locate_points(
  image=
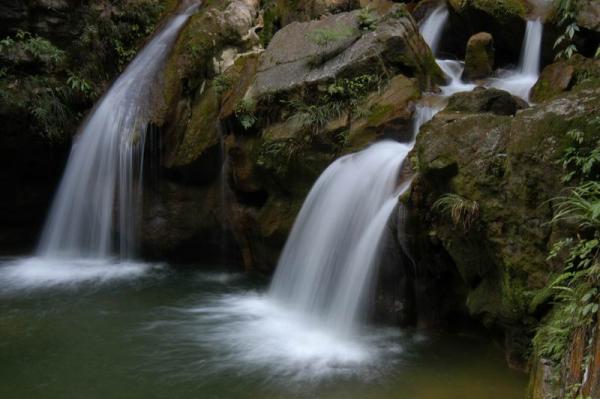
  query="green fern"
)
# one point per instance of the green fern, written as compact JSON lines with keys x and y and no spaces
{"x":462,"y":212}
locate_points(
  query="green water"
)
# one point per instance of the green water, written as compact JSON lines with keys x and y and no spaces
{"x":172,"y":334}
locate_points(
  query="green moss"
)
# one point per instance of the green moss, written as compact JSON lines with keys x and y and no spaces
{"x":500,"y":9}
{"x":200,"y":133}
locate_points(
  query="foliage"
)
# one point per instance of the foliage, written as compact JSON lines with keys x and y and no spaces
{"x":326,"y":36}
{"x":343,"y":95}
{"x":245,"y":113}
{"x":576,"y":290}
{"x":79,"y":84}
{"x":33,"y":46}
{"x":278,"y":155}
{"x":367,"y":20}
{"x":37,"y":78}
{"x":463,"y":212}
{"x":566,"y":11}
{"x":222,"y":83}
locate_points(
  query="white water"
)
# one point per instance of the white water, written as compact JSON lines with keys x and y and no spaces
{"x":432,"y":27}
{"x":326,"y":265}
{"x":517,"y":82}
{"x":520,"y":81}
{"x":100,"y":193}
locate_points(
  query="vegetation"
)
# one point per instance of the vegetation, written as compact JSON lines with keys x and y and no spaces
{"x":566,"y":12}
{"x":343,"y":95}
{"x":37,"y":80}
{"x":462,"y":212}
{"x":367,"y":20}
{"x":576,"y":290}
{"x":245,"y":113}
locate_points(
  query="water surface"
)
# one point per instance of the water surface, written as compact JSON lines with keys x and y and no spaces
{"x":156,"y":333}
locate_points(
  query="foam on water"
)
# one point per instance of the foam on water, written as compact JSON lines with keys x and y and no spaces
{"x":252,"y":333}
{"x":37,"y":273}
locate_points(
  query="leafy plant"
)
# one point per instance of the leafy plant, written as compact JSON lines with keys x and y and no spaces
{"x":343,"y":95}
{"x":80,"y":84}
{"x":367,"y":20}
{"x":576,"y":290}
{"x":463,"y":212}
{"x":245,"y":113}
{"x":222,"y":83}
{"x":36,"y":47}
{"x":566,"y":11}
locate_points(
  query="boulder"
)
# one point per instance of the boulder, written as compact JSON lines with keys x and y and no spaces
{"x":565,"y":75}
{"x":588,"y":14}
{"x":479,"y":57}
{"x":482,"y":100}
{"x":311,"y":53}
{"x":508,"y":166}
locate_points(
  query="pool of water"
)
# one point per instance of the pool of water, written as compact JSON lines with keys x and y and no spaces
{"x":95,"y":331}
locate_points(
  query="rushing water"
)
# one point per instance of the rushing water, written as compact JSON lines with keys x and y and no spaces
{"x":326,"y":266}
{"x":520,"y":81}
{"x":100,"y":192}
{"x":517,"y":82}
{"x":217,"y":335}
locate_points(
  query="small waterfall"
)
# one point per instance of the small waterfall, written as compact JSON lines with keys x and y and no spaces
{"x":532,"y":49}
{"x":100,"y":192}
{"x":520,"y":81}
{"x":326,"y":266}
{"x":432,"y":27}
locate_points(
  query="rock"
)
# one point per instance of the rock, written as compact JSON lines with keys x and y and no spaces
{"x":565,"y":75}
{"x":311,"y":53}
{"x":424,"y":8}
{"x":504,"y":20}
{"x":194,"y":150}
{"x":588,"y":14}
{"x":496,"y":101}
{"x":479,"y":58}
{"x":508,"y":165}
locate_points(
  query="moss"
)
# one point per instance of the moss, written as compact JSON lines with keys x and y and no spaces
{"x":499,"y":9}
{"x":201,"y":132}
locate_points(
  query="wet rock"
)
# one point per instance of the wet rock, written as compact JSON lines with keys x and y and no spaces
{"x":480,"y":100}
{"x":566,"y":75}
{"x":479,"y":58}
{"x":508,"y":166}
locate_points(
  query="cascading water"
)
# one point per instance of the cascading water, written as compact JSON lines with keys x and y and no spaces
{"x":327,"y":261}
{"x":517,"y":82}
{"x":100,"y":193}
{"x":432,"y":27}
{"x":520,"y":82}
{"x":104,"y":170}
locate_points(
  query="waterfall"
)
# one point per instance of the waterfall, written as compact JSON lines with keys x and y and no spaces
{"x":432,"y":27}
{"x":326,"y":266}
{"x":532,"y":49}
{"x":520,"y":81}
{"x":100,"y":192}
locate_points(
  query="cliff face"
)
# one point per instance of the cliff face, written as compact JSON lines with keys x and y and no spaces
{"x":253,"y":128}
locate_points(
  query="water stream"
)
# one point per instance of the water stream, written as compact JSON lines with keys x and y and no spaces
{"x":100,"y":192}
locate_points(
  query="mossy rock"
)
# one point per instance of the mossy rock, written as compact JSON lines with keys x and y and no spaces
{"x":480,"y":57}
{"x":499,"y":9}
{"x":509,"y":165}
{"x":566,"y":75}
